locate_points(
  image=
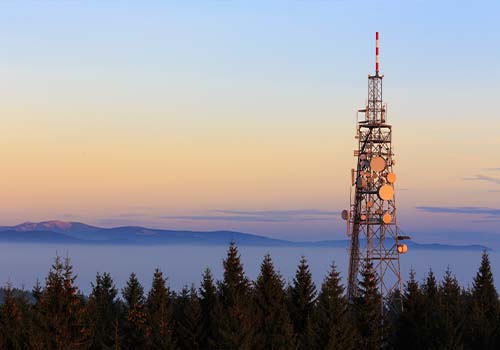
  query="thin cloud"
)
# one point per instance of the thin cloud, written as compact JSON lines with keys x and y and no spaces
{"x":259,"y":215}
{"x":243,"y":218}
{"x":484,"y":178}
{"x":298,"y":212}
{"x":130,"y":215}
{"x":484,"y":211}
{"x":491,"y":169}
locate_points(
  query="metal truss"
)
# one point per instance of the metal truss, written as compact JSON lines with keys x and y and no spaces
{"x":371,"y":219}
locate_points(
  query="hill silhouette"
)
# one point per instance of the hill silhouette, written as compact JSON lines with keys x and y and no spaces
{"x":63,"y":232}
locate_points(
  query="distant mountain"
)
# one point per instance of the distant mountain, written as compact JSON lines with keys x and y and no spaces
{"x":67,"y":232}
{"x":78,"y":233}
{"x":72,"y":229}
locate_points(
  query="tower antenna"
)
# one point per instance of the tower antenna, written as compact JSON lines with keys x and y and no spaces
{"x":371,"y":218}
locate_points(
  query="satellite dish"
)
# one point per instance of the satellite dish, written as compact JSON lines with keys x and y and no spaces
{"x":402,"y":248}
{"x":391,"y":178}
{"x":377,"y":164}
{"x":387,"y":218}
{"x":345,"y":214}
{"x":386,"y":192}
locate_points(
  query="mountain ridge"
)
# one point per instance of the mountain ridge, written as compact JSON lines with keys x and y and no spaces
{"x":56,"y":231}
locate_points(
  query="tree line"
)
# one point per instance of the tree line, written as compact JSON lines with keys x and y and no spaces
{"x":236,"y":313}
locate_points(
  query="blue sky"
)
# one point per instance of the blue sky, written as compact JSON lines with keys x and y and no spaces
{"x":240,"y":115}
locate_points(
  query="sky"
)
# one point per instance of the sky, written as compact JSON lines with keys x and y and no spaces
{"x":240,"y":115}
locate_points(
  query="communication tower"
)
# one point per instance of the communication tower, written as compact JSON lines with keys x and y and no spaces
{"x":371,"y":218}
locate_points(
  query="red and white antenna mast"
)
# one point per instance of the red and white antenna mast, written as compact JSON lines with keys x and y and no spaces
{"x":371,"y":218}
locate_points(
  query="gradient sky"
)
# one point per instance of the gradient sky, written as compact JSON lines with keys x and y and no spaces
{"x":241,"y":115}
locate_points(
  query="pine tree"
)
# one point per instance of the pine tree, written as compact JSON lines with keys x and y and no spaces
{"x":483,"y":321}
{"x":451,"y":307}
{"x":74,"y":301}
{"x":37,"y":291}
{"x":11,"y":322}
{"x":36,"y":332}
{"x":433,"y":320}
{"x":188,"y":320}
{"x":135,"y":323}
{"x":24,"y":304}
{"x":273,"y":326}
{"x":410,"y":330}
{"x":332,"y":322}
{"x":60,"y":310}
{"x":159,"y":310}
{"x":393,"y":309}
{"x":102,"y":313}
{"x":233,"y":310}
{"x":368,"y":310}
{"x":208,"y":303}
{"x":301,"y":304}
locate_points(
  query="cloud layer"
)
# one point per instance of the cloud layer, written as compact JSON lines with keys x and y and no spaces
{"x":260,"y":215}
{"x":484,"y":211}
{"x":485,"y":178}
{"x":491,"y":169}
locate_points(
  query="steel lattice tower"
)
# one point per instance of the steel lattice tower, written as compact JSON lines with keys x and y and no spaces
{"x":371,"y":219}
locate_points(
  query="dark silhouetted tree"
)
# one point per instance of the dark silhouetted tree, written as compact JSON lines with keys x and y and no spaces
{"x":333,"y":324}
{"x":451,"y":308}
{"x":208,"y":303}
{"x":188,"y":320}
{"x":60,"y":311}
{"x":37,"y":330}
{"x":433,"y":320}
{"x":411,"y":323}
{"x":233,"y":311}
{"x":483,"y":316}
{"x":368,"y":310}
{"x":134,"y":333}
{"x":12,"y":322}
{"x":301,"y":299}
{"x":102,"y":313}
{"x":159,"y":312}
{"x":273,"y":328}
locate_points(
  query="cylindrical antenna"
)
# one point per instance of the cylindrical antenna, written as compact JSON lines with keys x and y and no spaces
{"x":376,"y":53}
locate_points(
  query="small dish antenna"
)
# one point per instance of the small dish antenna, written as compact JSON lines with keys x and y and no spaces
{"x":387,"y":218}
{"x":391,"y":178}
{"x":377,"y":164}
{"x":386,"y":192}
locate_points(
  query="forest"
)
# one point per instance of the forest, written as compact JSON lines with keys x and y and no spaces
{"x":237,"y":313}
